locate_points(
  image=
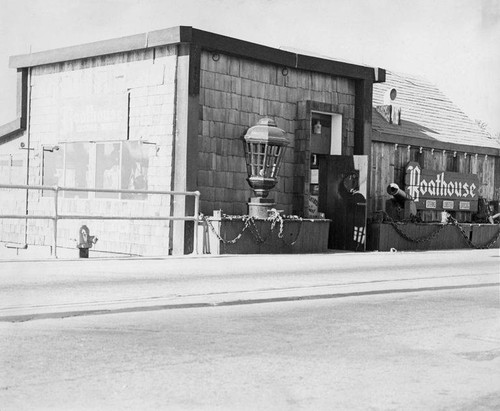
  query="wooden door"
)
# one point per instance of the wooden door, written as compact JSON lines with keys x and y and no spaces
{"x":342,"y":198}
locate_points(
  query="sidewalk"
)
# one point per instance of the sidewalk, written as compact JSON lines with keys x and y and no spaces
{"x":47,"y":288}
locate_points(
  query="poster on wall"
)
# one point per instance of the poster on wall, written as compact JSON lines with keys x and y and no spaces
{"x":441,"y":190}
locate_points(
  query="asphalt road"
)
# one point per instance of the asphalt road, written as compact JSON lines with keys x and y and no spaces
{"x":31,"y":288}
{"x":435,"y":350}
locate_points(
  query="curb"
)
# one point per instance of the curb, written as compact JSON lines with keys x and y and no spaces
{"x":14,"y":318}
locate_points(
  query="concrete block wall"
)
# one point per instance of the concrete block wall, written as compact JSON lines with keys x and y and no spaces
{"x":234,"y":94}
{"x":125,"y":96}
{"x":13,"y":201}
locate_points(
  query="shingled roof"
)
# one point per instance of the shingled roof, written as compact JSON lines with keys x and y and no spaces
{"x":427,"y":115}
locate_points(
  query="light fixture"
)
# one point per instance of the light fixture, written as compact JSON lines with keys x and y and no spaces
{"x":317,"y":127}
{"x":157,"y":147}
{"x":50,"y":149}
{"x":265,"y":145}
{"x":22,"y":146}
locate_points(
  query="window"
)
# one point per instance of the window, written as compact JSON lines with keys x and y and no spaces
{"x":110,"y":165}
{"x":326,"y":133}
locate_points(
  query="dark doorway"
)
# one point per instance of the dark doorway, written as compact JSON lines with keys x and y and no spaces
{"x":342,"y":198}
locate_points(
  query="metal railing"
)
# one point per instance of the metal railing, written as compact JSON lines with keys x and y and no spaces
{"x":56,"y":216}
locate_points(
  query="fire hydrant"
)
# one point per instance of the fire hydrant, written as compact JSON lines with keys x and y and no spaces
{"x":85,"y":241}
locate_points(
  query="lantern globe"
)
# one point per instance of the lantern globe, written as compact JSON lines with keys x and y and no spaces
{"x":265,"y":145}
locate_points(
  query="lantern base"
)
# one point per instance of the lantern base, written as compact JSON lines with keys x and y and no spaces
{"x":258,"y":207}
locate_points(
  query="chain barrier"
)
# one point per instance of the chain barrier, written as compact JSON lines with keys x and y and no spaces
{"x":495,"y":238}
{"x":246,"y":219}
{"x":276,"y":217}
{"x":434,"y":234}
{"x":424,"y":239}
{"x":249,"y":223}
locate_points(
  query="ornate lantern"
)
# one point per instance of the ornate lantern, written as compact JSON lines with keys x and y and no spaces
{"x":265,"y":144}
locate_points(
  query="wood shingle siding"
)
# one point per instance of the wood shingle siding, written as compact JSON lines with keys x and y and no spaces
{"x":235,"y":93}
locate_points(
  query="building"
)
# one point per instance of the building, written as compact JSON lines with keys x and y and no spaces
{"x":418,"y":126}
{"x":166,"y":110}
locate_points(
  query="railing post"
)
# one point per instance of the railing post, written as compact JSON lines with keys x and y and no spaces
{"x":196,"y":217}
{"x":56,"y":216}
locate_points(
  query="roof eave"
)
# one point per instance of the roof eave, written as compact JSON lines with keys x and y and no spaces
{"x":391,"y":138}
{"x":205,"y":40}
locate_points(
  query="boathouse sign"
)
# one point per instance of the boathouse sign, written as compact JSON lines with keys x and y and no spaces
{"x":441,"y":190}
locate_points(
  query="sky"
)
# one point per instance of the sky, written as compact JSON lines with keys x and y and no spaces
{"x":455,"y":44}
